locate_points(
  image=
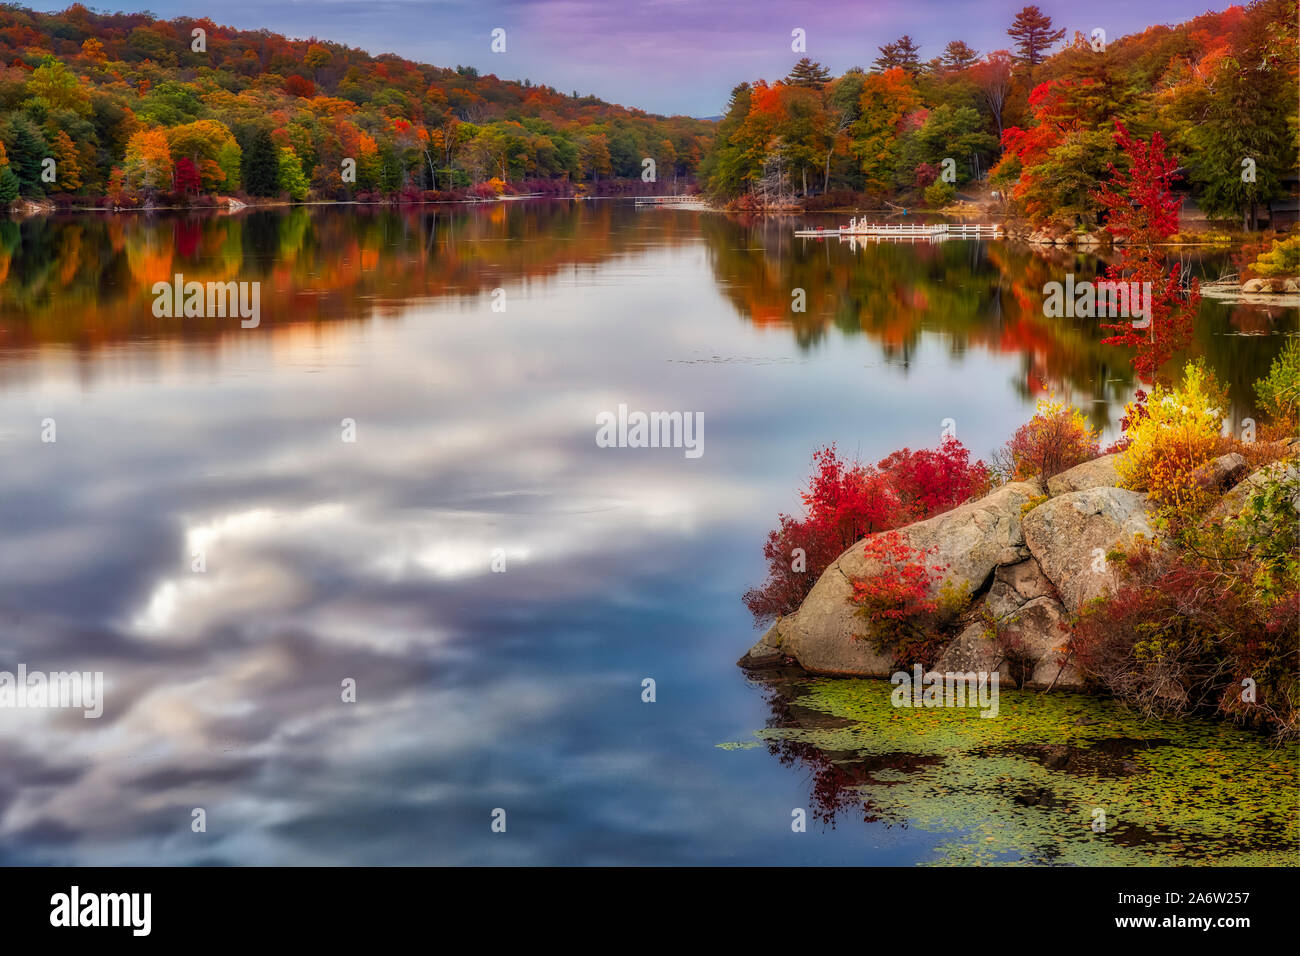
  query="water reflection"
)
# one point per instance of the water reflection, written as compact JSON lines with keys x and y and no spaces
{"x":1027,"y":787}
{"x":324,"y":560}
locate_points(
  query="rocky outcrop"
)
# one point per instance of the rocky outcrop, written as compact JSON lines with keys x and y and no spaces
{"x":1015,"y":585}
{"x":826,"y":636}
{"x":1031,"y":558}
{"x":1098,"y":473}
{"x":1234,"y":502}
{"x":1222,"y":473}
{"x":1025,"y":608}
{"x":1071,"y":534}
{"x":1036,"y":635}
{"x":766,"y":651}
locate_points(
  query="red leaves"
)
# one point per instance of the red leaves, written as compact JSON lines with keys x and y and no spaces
{"x":930,"y":482}
{"x":300,"y":86}
{"x":901,"y":599}
{"x":185,"y":177}
{"x":846,"y":501}
{"x":902,"y":589}
{"x":1144,"y":211}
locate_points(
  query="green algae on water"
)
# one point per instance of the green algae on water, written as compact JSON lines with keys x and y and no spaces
{"x":1054,"y":778}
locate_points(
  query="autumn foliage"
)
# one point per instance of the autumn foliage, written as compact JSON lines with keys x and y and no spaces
{"x":1207,"y":618}
{"x":104,"y":79}
{"x":844,"y":501}
{"x":902,"y":599}
{"x":1144,"y":213}
{"x":1057,"y":438}
{"x":1178,"y":432}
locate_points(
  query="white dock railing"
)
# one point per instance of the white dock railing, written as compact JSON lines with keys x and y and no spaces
{"x":661,"y":200}
{"x":934,"y":230}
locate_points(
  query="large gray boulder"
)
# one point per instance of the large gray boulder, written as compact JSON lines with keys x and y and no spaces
{"x":974,"y":649}
{"x":1015,"y":585}
{"x":1071,"y":534}
{"x":1038,"y":633}
{"x":1222,"y":473}
{"x":1098,"y":473}
{"x":1234,"y":502}
{"x":971,"y":540}
{"x":1025,"y":609}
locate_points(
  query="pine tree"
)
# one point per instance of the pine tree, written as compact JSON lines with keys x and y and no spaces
{"x":901,"y":53}
{"x":808,"y":73}
{"x":261,"y":166}
{"x":1033,"y":33}
{"x":8,"y":185}
{"x":958,"y":55}
{"x":26,"y":147}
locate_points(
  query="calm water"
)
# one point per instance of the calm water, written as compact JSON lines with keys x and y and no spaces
{"x":373,"y":559}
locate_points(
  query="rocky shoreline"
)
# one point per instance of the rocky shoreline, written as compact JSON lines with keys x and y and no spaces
{"x":1030,"y":555}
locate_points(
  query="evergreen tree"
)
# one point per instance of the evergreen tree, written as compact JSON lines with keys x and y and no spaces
{"x":26,"y":147}
{"x":9,"y":185}
{"x":261,"y":166}
{"x":1033,"y":33}
{"x":958,"y":55}
{"x":808,"y":73}
{"x":901,"y":53}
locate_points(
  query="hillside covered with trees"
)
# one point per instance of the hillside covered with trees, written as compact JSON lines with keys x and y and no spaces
{"x":136,"y":108}
{"x":1221,"y":88}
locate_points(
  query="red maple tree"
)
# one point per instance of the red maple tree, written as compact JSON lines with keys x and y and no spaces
{"x":1144,"y":213}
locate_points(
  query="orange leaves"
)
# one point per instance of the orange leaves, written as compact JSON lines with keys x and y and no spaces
{"x":148,"y":160}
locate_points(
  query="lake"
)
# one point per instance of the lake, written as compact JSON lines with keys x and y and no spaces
{"x":393,"y":483}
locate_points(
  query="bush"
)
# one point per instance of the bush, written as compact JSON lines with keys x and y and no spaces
{"x":1279,"y":390}
{"x":846,"y":501}
{"x":843,"y":501}
{"x":929,"y":482}
{"x":938,"y":194}
{"x":1211,"y":627}
{"x":903,"y":602}
{"x":1056,"y":439}
{"x":1170,"y":436}
{"x":1281,"y":260}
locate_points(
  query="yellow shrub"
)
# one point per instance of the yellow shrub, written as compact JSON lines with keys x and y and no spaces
{"x":1179,"y":431}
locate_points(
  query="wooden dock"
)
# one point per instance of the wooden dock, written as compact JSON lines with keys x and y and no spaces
{"x":668,"y":200}
{"x":908,"y":230}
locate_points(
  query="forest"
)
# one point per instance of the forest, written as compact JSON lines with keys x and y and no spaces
{"x":139,"y":109}
{"x":1221,"y":89}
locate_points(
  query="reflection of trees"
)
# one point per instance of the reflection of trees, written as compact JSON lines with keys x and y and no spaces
{"x":982,"y":295}
{"x":88,"y":279}
{"x":834,"y":776}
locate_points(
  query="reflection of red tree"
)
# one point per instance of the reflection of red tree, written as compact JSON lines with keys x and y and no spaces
{"x":835,"y":776}
{"x":186,"y":234}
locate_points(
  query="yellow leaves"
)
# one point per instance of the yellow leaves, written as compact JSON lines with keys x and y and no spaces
{"x":149,"y":159}
{"x":1179,"y":432}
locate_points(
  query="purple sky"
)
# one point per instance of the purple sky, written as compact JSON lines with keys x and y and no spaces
{"x":666,"y":56}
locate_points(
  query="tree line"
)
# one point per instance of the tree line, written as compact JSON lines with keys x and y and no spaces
{"x":136,"y":107}
{"x":1036,"y":120}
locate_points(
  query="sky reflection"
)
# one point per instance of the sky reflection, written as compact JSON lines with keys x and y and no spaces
{"x":372,"y":560}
